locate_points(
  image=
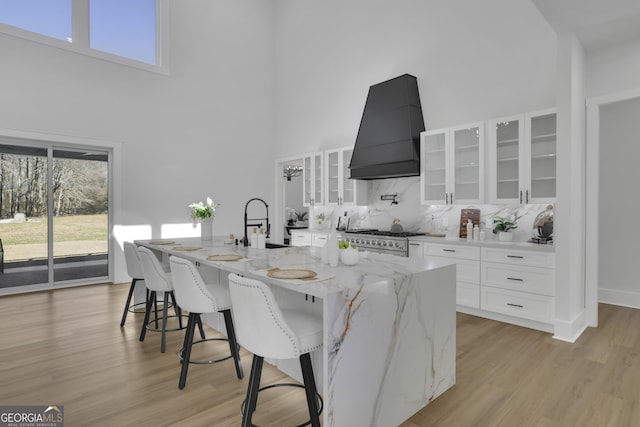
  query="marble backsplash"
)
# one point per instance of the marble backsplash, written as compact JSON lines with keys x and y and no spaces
{"x":415,"y":217}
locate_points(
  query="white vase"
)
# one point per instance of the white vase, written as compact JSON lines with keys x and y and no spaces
{"x":333,"y":252}
{"x":206,"y":231}
{"x":505,"y":236}
{"x":349,"y":256}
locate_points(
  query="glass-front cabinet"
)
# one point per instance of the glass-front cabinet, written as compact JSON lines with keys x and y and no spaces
{"x":522,"y":158}
{"x":312,"y":189}
{"x":452,"y":165}
{"x":341,"y":190}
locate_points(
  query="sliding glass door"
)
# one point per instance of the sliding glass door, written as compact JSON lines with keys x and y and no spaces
{"x":53,"y":216}
{"x":80,"y":215}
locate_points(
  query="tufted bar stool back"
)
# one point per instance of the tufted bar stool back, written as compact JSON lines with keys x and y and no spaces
{"x":198,"y":297}
{"x":268,"y":331}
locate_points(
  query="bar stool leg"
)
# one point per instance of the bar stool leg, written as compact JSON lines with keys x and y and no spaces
{"x":233,"y":343}
{"x":252,"y":390}
{"x":201,"y":328}
{"x":128,"y":304}
{"x":165,"y":314}
{"x":310,"y":388}
{"x":147,"y":314}
{"x":176,"y":309}
{"x":188,"y":343}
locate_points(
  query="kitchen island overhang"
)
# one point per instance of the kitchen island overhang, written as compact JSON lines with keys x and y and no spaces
{"x":389,"y":325}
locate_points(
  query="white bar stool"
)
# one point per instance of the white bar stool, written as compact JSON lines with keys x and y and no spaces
{"x":134,"y":270}
{"x":157,"y":280}
{"x":268,"y":331}
{"x":198,"y":297}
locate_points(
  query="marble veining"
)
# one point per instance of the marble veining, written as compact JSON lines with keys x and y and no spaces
{"x":389,"y":327}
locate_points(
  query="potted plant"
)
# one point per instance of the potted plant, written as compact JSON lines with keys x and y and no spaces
{"x":502,"y":226}
{"x":301,"y":216}
{"x":348,"y":253}
{"x":204,"y":213}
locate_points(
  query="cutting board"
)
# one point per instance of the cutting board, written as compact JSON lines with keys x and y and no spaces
{"x":465,"y":216}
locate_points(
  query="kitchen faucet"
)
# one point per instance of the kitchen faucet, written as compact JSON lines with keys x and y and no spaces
{"x":245,"y":240}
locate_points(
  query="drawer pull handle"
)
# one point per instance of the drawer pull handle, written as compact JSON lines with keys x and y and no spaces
{"x":515,"y":256}
{"x":449,"y":250}
{"x":515,"y":305}
{"x":414,"y":244}
{"x":516,"y":279}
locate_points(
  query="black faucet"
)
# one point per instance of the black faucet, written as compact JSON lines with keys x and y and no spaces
{"x":245,"y":241}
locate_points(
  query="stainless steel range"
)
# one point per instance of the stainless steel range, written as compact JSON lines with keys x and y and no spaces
{"x":380,"y":241}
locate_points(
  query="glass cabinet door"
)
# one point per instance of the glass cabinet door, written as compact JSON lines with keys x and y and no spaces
{"x":507,"y":146}
{"x":543,"y":157}
{"x":317,"y":176}
{"x":312,"y":180}
{"x":433,"y":179}
{"x":467,"y":167}
{"x":333,"y":177}
{"x":348,"y":185}
{"x":307,"y":181}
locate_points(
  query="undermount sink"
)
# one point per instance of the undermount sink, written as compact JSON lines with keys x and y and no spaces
{"x":275,"y":246}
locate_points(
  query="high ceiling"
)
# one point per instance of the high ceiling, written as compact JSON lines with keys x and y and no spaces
{"x":596,"y":23}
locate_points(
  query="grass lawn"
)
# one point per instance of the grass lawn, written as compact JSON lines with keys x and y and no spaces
{"x":72,"y":235}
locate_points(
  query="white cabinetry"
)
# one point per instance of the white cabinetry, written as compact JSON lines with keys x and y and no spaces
{"x":341,"y":190}
{"x":522,"y":158}
{"x":518,"y":283}
{"x":308,"y":238}
{"x":312,"y":189}
{"x":499,"y":282}
{"x":467,"y":261}
{"x":452,"y":165}
{"x":300,"y":238}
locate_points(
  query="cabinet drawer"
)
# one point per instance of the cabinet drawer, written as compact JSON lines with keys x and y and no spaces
{"x":300,"y":239}
{"x":519,"y":278}
{"x":520,"y":304}
{"x":318,"y":239}
{"x":519,"y":257}
{"x":468,"y":294}
{"x":467,"y":271}
{"x":452,"y":251}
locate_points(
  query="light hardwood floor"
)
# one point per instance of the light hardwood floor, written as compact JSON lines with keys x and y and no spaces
{"x":66,"y":347}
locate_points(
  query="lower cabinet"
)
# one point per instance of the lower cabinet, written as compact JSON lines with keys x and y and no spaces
{"x":467,"y":261}
{"x":513,"y":285}
{"x":308,"y":238}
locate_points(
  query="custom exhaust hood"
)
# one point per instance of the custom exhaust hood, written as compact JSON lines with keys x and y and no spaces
{"x":388,"y":141}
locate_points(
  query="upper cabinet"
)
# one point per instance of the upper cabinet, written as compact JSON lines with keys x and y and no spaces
{"x":312,"y":190}
{"x":341,"y":190}
{"x":452,"y":165}
{"x":522,"y":158}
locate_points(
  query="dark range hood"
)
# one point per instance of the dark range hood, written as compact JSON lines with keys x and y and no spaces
{"x":388,"y":142}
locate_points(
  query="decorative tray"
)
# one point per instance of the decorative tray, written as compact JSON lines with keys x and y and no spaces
{"x":225,"y":257}
{"x":161,"y":242}
{"x":291,"y":273}
{"x":186,"y":248}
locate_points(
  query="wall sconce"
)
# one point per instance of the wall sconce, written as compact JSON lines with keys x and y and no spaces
{"x":290,"y":171}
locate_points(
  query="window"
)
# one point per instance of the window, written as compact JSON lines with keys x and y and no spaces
{"x":51,"y":18}
{"x":124,"y":27}
{"x":123,"y":31}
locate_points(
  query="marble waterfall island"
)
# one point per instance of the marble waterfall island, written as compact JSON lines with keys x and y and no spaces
{"x":389,"y":325}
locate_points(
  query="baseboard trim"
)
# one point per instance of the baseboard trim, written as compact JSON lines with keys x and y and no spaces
{"x":618,"y":297}
{"x":571,"y":331}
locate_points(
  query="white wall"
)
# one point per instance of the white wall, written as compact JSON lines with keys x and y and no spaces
{"x":618,"y":239}
{"x":613,"y":69}
{"x":186,"y":136}
{"x":473,"y":60}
